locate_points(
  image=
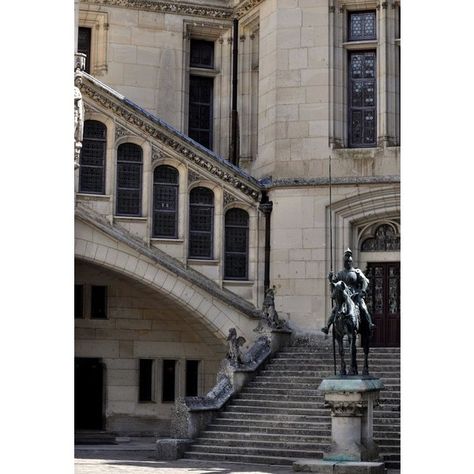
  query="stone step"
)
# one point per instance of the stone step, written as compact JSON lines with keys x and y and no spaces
{"x":263,"y":436}
{"x":329,"y":357}
{"x":319,"y":374}
{"x":249,"y":450}
{"x":239,"y":458}
{"x":284,"y":445}
{"x":291,"y":364}
{"x":278,"y":397}
{"x":281,"y":404}
{"x":303,"y":423}
{"x":292,"y":429}
{"x":291,"y":416}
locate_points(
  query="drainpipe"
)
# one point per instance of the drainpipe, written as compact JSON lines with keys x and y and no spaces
{"x":266,"y":207}
{"x":234,"y":143}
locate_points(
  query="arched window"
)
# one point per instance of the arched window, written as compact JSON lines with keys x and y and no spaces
{"x":129,"y":180}
{"x":236,"y":244}
{"x":92,"y":159}
{"x":201,"y":223}
{"x":385,"y":239}
{"x":165,"y":202}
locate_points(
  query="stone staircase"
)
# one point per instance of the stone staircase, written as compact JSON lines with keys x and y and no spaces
{"x":280,"y":416}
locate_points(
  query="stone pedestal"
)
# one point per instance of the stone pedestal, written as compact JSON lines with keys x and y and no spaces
{"x":351,"y":400}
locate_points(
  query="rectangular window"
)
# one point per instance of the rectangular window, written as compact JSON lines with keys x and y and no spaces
{"x":362,"y":94}
{"x":84,"y":45}
{"x":78,"y":301}
{"x":169,"y":381}
{"x":98,"y":302}
{"x":202,"y":54}
{"x":192,"y":377}
{"x":200,"y":109}
{"x":145,"y":384}
{"x":362,"y":26}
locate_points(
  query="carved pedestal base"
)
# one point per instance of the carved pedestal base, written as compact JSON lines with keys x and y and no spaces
{"x":351,"y":400}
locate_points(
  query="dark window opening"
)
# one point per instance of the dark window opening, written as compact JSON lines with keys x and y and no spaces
{"x":92,"y":159}
{"x":362,"y":26}
{"x":200,"y":109}
{"x":201,"y":223}
{"x":236,"y":244}
{"x":99,"y":302}
{"x":165,"y":202}
{"x":202,"y":54}
{"x":169,"y":380}
{"x":145,"y":385}
{"x":129,"y":180}
{"x":362,"y":99}
{"x":78,"y":301}
{"x":192,"y":376}
{"x":84,"y":45}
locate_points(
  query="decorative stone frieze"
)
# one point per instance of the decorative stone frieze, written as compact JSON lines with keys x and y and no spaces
{"x":160,"y":6}
{"x":346,"y":408}
{"x":193,"y":176}
{"x":228,"y":198}
{"x":245,"y":7}
{"x":156,"y":129}
{"x":121,"y":132}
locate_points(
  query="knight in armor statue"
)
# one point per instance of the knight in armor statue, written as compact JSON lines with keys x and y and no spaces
{"x":357,"y":283}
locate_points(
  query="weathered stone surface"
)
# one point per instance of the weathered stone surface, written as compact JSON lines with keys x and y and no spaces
{"x":170,"y":449}
{"x":331,"y":467}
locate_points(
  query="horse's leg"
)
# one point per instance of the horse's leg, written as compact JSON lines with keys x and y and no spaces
{"x":340,"y":343}
{"x":352,"y":345}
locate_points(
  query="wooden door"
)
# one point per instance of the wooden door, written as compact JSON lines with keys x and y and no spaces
{"x":88,"y":394}
{"x":383,"y":302}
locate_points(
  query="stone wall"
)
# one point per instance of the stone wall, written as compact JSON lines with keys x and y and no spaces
{"x":141,"y":324}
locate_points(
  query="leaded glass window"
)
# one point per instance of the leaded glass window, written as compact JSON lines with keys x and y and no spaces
{"x":129,"y":179}
{"x":362,"y":99}
{"x":165,"y":202}
{"x":200,"y":109}
{"x":201,"y":223}
{"x":92,"y":159}
{"x":362,"y":26}
{"x":202,"y":54}
{"x":236,"y":244}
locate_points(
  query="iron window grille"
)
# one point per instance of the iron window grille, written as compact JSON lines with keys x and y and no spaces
{"x":129,"y":180}
{"x":236,"y":244}
{"x":201,"y":90}
{"x":165,"y":202}
{"x":201,"y":223}
{"x":362,"y":26}
{"x":362,"y":99}
{"x":92,"y":159}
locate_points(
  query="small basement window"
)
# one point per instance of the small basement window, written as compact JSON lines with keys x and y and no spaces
{"x":145,"y":383}
{"x":98,"y":302}
{"x":169,"y":381}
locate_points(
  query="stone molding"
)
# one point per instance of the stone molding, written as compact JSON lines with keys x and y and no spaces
{"x":157,"y":130}
{"x":346,"y":408}
{"x":160,"y":6}
{"x":245,"y":6}
{"x":118,"y":233}
{"x":349,"y":180}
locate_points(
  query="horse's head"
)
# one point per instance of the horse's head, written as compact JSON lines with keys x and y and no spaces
{"x":339,"y":291}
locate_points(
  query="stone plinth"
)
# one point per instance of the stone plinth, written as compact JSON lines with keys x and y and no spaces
{"x":169,"y":449}
{"x":351,"y":400}
{"x":332,"y":467}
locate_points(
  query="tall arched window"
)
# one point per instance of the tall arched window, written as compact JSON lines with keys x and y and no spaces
{"x":236,"y":244}
{"x":129,"y":180}
{"x":165,"y":202}
{"x":92,"y":159}
{"x":201,"y":223}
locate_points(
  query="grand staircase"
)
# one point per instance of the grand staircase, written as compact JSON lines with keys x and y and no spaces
{"x":280,"y":416}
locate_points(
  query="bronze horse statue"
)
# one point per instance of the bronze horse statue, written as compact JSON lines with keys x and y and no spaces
{"x":347,"y":322}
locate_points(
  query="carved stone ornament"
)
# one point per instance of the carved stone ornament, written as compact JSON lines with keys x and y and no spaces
{"x":270,"y":319}
{"x":193,"y":176}
{"x":161,"y":6}
{"x":121,"y":132}
{"x":346,"y":408}
{"x":234,"y":354}
{"x":155,"y":154}
{"x":245,"y":7}
{"x":228,"y":198}
{"x":168,"y":139}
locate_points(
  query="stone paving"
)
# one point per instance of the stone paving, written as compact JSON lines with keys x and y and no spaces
{"x":109,"y":462}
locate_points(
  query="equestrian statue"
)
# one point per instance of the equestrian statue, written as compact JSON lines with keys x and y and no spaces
{"x":349,"y":315}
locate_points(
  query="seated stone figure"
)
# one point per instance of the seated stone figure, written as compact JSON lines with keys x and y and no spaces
{"x":357,"y":283}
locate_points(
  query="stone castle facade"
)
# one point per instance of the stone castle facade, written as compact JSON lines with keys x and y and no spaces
{"x":229,"y":146}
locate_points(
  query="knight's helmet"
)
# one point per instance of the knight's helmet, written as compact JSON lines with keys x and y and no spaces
{"x":348,"y":252}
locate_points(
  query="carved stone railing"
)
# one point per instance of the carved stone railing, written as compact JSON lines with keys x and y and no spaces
{"x":192,"y":414}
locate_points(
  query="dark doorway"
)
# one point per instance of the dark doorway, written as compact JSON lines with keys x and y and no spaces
{"x":88,"y":394}
{"x":383,"y":302}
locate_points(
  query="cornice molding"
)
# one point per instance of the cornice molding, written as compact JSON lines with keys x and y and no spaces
{"x":350,"y":180}
{"x":245,"y":6}
{"x":156,"y":130}
{"x":160,"y":6}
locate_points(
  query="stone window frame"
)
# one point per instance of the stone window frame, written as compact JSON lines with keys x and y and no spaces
{"x":386,"y":47}
{"x":98,"y":23}
{"x":214,"y":31}
{"x":249,"y":59}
